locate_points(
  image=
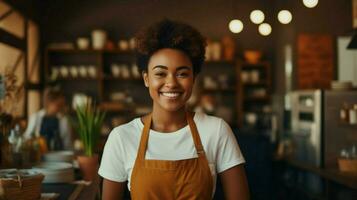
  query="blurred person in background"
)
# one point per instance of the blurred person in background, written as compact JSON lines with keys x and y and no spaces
{"x":51,"y":122}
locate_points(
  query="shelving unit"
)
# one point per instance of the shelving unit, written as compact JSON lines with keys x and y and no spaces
{"x":72,"y":67}
{"x":254,"y":89}
{"x":127,"y":96}
{"x":218,"y":79}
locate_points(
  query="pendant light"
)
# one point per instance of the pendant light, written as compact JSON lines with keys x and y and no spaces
{"x":257,"y":16}
{"x":264,"y":29}
{"x":285,"y":17}
{"x":310,"y":3}
{"x":236,"y":26}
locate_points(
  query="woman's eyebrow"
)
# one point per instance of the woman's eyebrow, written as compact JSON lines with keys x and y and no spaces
{"x":160,"y":66}
{"x":183,"y":67}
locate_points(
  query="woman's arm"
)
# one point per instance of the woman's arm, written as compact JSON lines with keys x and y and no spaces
{"x":234,"y":183}
{"x":113,"y":190}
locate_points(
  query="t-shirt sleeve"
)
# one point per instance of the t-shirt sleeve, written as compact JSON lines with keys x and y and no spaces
{"x":229,"y":153}
{"x":112,"y":164}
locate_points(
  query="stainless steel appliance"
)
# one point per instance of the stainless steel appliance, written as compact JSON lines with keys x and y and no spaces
{"x":317,"y":133}
{"x":307,"y":127}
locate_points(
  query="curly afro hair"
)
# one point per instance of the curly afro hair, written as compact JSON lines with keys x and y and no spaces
{"x":174,"y":35}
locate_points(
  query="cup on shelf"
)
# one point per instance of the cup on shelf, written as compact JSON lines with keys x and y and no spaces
{"x":123,"y":45}
{"x":118,"y":96}
{"x":92,"y":71}
{"x":259,"y":92}
{"x":216,"y":50}
{"x":99,"y":39}
{"x":254,"y":76}
{"x":209,"y":83}
{"x":64,"y":71}
{"x":54,"y":72}
{"x":223,"y":81}
{"x":115,"y":69}
{"x":83,"y":71}
{"x":208,"y":54}
{"x":135,"y":71}
{"x":73,"y":70}
{"x":251,"y":118}
{"x":132,"y":43}
{"x":125,"y":72}
{"x":245,"y":76}
{"x":83,"y":43}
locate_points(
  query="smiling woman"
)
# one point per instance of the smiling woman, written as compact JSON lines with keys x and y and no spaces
{"x":172,"y":153}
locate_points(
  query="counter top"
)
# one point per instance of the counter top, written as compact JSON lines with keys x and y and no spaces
{"x":346,"y":179}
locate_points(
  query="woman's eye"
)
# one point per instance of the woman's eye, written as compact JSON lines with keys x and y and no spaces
{"x":182,"y":75}
{"x":160,"y":74}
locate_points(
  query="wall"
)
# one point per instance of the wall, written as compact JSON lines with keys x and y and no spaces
{"x":328,"y":17}
{"x":66,"y":21}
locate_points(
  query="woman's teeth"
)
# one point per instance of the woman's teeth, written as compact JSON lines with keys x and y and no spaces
{"x":170,"y":94}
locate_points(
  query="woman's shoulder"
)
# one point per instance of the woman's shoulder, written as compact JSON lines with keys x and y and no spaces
{"x":207,"y":120}
{"x":214,"y":125}
{"x":128,"y":129}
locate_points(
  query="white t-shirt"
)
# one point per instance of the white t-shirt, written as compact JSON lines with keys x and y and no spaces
{"x":219,"y":143}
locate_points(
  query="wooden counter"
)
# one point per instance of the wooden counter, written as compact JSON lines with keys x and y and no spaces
{"x":345,"y":179}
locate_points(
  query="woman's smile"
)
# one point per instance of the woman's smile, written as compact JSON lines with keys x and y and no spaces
{"x":171,"y":95}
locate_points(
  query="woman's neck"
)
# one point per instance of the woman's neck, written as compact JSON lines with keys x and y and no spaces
{"x":168,"y":121}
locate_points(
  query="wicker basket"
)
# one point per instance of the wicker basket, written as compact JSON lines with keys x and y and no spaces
{"x":347,"y":165}
{"x":24,"y":188}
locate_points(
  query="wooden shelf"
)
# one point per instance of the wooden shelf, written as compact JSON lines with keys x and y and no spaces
{"x":253,"y":98}
{"x":258,"y":64}
{"x":219,"y":62}
{"x":77,"y":79}
{"x":260,"y":83}
{"x":227,"y":90}
{"x":114,"y":107}
{"x":112,"y":78}
{"x":85,"y":51}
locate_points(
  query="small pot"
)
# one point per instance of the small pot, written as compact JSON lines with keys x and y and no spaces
{"x":89,"y":166}
{"x":252,"y":56}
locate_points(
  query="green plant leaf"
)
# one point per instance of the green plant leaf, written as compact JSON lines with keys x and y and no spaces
{"x":88,"y":125}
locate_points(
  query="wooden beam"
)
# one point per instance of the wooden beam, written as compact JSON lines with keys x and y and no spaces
{"x":2,"y":17}
{"x":12,"y":40}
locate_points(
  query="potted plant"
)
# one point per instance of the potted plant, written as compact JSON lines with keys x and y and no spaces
{"x":89,"y":122}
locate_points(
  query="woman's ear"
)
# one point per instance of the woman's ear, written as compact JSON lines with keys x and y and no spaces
{"x":146,"y":78}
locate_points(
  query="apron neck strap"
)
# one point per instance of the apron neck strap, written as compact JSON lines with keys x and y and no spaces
{"x":195,"y":135}
{"x":144,"y":137}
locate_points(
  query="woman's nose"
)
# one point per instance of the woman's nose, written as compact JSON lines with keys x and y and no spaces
{"x":171,"y":81}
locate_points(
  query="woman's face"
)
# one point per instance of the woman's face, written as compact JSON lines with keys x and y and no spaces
{"x":169,"y":78}
{"x":55,"y":106}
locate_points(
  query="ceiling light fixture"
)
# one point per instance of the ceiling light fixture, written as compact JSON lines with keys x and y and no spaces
{"x":310,"y":3}
{"x":257,"y":16}
{"x":285,"y":17}
{"x":264,"y":29}
{"x":236,"y":26}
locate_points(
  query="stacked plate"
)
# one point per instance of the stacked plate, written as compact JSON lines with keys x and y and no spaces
{"x":56,"y":172}
{"x":343,"y":85}
{"x":59,"y":156}
{"x":14,"y":173}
